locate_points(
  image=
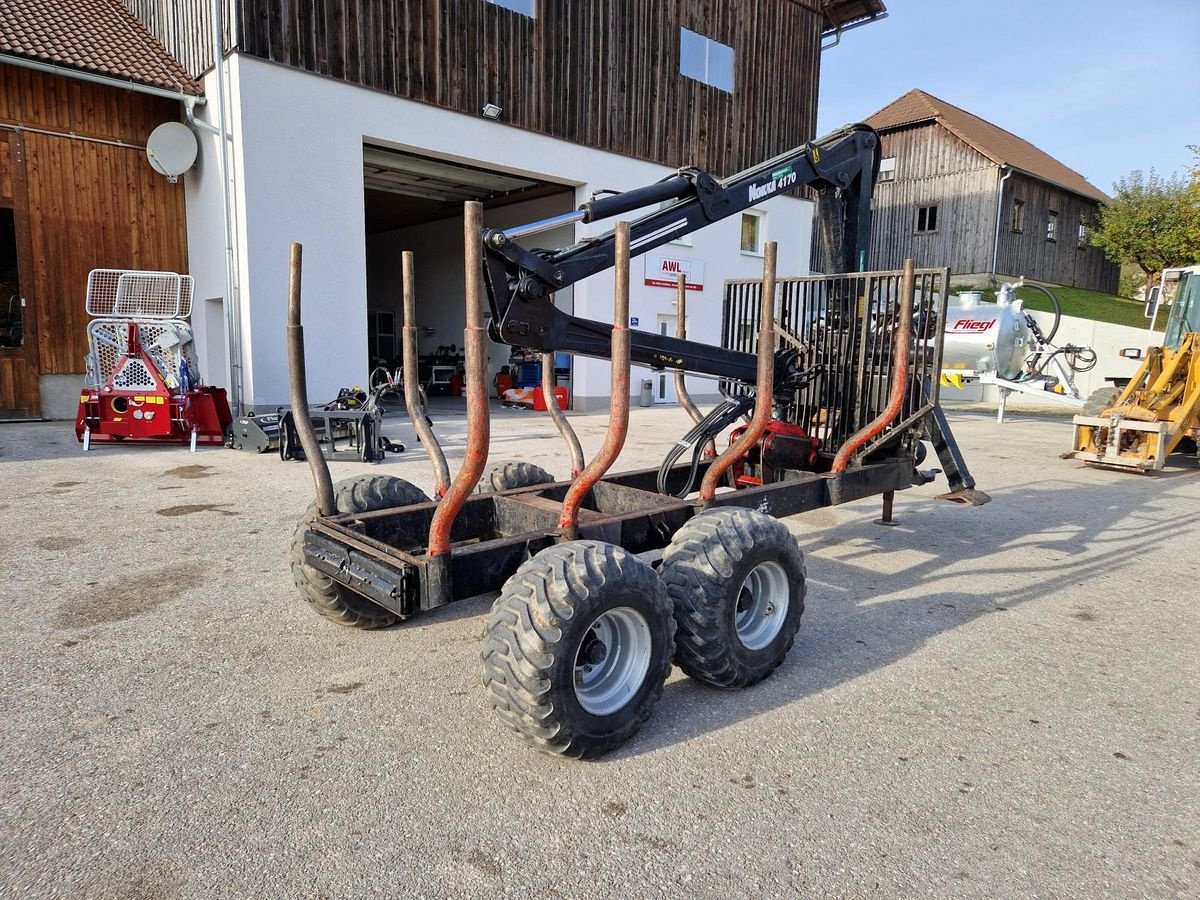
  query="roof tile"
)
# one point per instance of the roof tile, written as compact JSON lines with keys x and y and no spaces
{"x":1002,"y":147}
{"x":100,"y":36}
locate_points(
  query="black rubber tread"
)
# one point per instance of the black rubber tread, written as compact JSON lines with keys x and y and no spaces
{"x":530,"y":644}
{"x":704,"y":569}
{"x":334,"y":601}
{"x":1100,"y":400}
{"x":511,"y":473}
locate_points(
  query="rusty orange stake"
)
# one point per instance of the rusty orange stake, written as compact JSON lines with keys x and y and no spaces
{"x":899,"y":374}
{"x":549,"y":380}
{"x":618,"y":416}
{"x":478,"y":425}
{"x":412,"y":383}
{"x":681,"y":391}
{"x":765,"y":388}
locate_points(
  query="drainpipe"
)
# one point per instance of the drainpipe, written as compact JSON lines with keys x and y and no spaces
{"x":233,"y":317}
{"x":999,"y":215}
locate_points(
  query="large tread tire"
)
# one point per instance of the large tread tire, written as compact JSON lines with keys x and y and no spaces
{"x":364,"y":493}
{"x":538,"y":625}
{"x":511,"y":473}
{"x":705,"y":570}
{"x":1100,"y":400}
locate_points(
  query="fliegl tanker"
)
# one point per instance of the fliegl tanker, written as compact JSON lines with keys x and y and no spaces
{"x":1001,"y":344}
{"x":987,"y":338}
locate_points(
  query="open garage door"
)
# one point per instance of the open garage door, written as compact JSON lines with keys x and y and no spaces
{"x":414,"y":202}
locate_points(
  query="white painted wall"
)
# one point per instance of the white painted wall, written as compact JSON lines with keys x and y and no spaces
{"x":298,"y":162}
{"x":206,"y":247}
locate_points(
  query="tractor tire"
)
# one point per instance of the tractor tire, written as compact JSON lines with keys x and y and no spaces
{"x":330,"y":599}
{"x":511,"y":473}
{"x":578,"y":648}
{"x":1100,"y":400}
{"x":737,"y":581}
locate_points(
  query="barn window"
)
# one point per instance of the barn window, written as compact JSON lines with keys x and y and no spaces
{"x":754,"y":232}
{"x":706,"y":60}
{"x":887,"y":169}
{"x":1052,"y":226}
{"x":524,"y":7}
{"x":927,"y":218}
{"x":1018,"y":216}
{"x":1083,"y":232}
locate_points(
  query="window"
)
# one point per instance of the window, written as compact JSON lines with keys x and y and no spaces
{"x":1018,"y":216}
{"x":927,"y":218}
{"x":1052,"y":226}
{"x":381,"y":336}
{"x":524,"y":7}
{"x":1083,"y":233}
{"x":887,"y":169}
{"x":706,"y":60}
{"x":754,"y":232}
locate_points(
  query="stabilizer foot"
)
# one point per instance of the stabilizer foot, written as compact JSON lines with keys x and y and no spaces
{"x":966,"y":496}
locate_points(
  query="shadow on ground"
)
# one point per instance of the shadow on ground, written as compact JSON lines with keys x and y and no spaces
{"x":860,"y":619}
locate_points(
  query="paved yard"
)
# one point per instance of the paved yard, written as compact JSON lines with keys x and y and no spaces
{"x":981,"y":702}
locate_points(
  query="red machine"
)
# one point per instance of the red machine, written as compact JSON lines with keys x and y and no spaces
{"x":141,"y":382}
{"x":783,"y":446}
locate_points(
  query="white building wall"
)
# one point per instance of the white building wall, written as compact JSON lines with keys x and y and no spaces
{"x":298,"y":161}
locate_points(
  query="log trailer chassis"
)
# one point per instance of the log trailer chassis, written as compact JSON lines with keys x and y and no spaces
{"x":606,"y":579}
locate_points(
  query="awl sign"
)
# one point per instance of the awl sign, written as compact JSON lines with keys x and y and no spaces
{"x":664,"y":271}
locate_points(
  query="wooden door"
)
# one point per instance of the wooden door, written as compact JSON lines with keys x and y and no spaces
{"x":19,"y":396}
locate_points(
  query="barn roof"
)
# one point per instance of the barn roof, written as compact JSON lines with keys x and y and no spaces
{"x":841,"y":14}
{"x":100,"y":36}
{"x":1002,"y":147}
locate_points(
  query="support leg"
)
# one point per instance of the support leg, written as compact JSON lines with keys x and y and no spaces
{"x":885,"y":518}
{"x":962,"y":485}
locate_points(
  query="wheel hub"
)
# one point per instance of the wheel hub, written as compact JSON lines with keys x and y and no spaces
{"x":612,"y":660}
{"x":762,"y":605}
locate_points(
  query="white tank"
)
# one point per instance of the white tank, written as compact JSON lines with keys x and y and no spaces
{"x":987,"y":337}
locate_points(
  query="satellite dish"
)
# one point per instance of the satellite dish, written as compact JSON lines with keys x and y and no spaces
{"x":171,"y":149}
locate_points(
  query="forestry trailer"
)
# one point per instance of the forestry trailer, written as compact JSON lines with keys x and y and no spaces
{"x":606,"y":579}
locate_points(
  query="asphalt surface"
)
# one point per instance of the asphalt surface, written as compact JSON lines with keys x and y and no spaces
{"x":982,"y":702}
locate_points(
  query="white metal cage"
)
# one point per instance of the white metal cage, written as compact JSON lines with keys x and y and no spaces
{"x":132,"y":294}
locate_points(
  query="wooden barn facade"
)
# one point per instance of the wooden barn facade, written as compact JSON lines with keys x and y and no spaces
{"x":957,"y":190}
{"x":359,"y":128}
{"x":76,"y":189}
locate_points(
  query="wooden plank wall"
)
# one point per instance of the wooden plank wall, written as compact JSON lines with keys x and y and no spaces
{"x":1061,"y":261}
{"x":935,"y":167}
{"x":604,"y":73}
{"x":184,"y":27}
{"x":86,"y":204}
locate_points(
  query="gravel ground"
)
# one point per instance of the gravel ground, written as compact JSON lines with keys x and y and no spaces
{"x":990,"y":702}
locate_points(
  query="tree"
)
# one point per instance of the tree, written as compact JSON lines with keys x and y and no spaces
{"x":1152,"y":222}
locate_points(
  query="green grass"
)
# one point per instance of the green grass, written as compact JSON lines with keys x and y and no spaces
{"x":1085,"y":305}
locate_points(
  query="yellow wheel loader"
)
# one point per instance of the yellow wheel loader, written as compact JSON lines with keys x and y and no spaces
{"x":1136,"y":425}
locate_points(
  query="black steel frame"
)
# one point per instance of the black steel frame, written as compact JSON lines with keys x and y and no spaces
{"x":381,"y":555}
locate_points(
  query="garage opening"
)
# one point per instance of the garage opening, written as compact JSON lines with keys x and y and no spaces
{"x":414,"y":202}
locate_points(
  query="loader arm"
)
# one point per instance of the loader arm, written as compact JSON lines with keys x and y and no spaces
{"x":841,"y":166}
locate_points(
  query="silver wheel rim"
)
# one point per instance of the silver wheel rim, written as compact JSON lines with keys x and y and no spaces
{"x":612,"y":660}
{"x":762,"y":605}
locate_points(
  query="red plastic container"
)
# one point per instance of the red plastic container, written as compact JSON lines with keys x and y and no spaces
{"x":560,"y":395}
